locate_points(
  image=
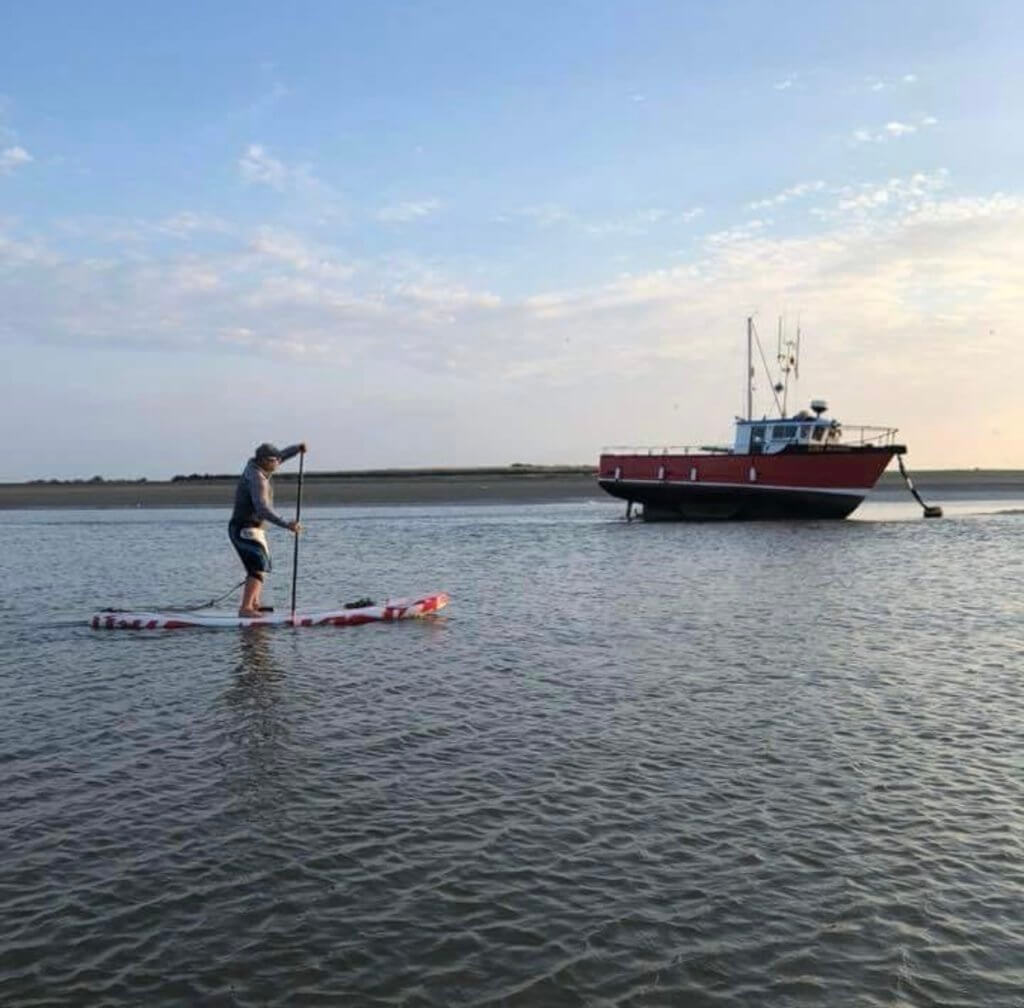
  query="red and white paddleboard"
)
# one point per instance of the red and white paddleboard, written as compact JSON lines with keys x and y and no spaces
{"x":386,"y":612}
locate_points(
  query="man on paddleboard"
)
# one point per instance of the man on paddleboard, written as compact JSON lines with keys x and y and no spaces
{"x":254,"y":506}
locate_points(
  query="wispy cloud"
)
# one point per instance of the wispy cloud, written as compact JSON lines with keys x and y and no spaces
{"x":268,"y":100}
{"x":892,"y":130}
{"x":785,"y":84}
{"x":402,"y":213}
{"x":187,"y":223}
{"x":894,"y":195}
{"x":636,"y":222}
{"x":793,"y":192}
{"x":547,"y":214}
{"x":305,"y":257}
{"x":257,"y":166}
{"x":874,"y":83}
{"x":13,"y":157}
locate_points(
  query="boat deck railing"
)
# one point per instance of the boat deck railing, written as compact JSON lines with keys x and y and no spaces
{"x":667,"y":450}
{"x":842,"y":435}
{"x":879,"y":437}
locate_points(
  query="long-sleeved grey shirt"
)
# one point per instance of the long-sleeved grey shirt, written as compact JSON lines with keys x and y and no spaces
{"x":254,"y":498}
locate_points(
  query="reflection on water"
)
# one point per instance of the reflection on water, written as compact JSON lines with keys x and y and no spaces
{"x":256,"y":729}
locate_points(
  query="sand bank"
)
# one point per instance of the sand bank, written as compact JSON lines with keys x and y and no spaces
{"x":480,"y":486}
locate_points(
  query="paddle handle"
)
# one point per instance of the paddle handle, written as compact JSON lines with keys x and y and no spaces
{"x":295,"y":554}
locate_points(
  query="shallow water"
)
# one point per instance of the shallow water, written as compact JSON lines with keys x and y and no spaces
{"x":634,"y":765}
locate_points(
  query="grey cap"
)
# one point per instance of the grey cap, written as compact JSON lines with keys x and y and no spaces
{"x":267,"y":451}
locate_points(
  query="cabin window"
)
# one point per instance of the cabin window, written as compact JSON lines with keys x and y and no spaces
{"x":802,"y":433}
{"x":818,"y":433}
{"x":756,"y":440}
{"x":783,"y":432}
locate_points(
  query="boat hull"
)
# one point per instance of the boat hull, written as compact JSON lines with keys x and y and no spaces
{"x":727,"y":487}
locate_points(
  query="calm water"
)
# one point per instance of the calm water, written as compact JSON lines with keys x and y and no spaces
{"x":776,"y":764}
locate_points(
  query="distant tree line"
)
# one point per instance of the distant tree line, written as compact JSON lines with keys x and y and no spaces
{"x":515,"y":469}
{"x":93,"y":479}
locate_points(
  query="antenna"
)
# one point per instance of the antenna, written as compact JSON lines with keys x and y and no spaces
{"x":776,"y":388}
{"x":789,"y":361}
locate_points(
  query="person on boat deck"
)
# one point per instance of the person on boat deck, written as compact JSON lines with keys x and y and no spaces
{"x":254,"y":506}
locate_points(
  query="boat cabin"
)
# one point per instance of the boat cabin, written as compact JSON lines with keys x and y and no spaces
{"x":768,"y":436}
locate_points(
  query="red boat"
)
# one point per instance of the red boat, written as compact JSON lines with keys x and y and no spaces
{"x":801,"y":466}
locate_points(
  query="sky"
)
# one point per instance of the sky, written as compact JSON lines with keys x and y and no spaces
{"x":464,"y":233}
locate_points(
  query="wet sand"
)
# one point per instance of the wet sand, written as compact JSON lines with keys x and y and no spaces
{"x":483,"y":486}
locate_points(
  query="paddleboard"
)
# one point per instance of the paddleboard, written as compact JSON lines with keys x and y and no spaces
{"x":386,"y":612}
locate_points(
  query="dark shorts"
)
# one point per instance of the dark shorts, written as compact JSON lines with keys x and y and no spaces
{"x":255,"y":558}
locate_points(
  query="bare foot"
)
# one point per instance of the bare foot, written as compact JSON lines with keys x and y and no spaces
{"x":249,"y":613}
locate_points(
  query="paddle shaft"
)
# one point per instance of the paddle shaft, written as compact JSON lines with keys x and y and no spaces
{"x":295,"y":555}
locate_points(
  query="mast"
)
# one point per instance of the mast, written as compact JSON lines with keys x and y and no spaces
{"x":750,"y":367}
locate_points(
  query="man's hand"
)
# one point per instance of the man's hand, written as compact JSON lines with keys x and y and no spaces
{"x":302,"y":447}
{"x":294,"y":526}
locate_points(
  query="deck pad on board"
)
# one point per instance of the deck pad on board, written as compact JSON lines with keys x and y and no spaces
{"x":386,"y":612}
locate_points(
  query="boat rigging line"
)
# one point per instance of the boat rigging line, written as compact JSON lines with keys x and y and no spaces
{"x":774,"y":386}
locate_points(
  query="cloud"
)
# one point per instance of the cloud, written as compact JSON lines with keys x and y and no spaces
{"x":636,"y":222}
{"x":270,"y":98}
{"x":187,"y":223}
{"x":13,"y":157}
{"x":785,"y":84}
{"x":411,"y":210}
{"x":257,"y":166}
{"x":880,"y":83}
{"x":546,"y":214}
{"x":793,"y":192}
{"x":893,"y":281}
{"x":891,"y":130}
{"x":909,"y":192}
{"x":273,"y":246}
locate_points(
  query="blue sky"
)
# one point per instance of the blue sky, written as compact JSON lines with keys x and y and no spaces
{"x":464,"y":233}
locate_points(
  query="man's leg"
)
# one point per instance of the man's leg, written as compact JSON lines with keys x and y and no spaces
{"x":251,"y":596}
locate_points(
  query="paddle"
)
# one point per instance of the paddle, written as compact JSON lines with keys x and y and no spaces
{"x":295,"y":555}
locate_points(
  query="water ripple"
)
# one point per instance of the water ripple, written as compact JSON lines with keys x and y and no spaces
{"x":635,"y":766}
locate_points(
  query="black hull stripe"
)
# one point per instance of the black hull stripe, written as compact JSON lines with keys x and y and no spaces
{"x":683,"y":501}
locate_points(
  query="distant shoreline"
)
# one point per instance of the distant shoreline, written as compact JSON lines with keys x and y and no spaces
{"x":495,"y":485}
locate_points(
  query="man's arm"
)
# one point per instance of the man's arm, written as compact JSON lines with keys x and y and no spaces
{"x":292,"y":450}
{"x":259,"y":488}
